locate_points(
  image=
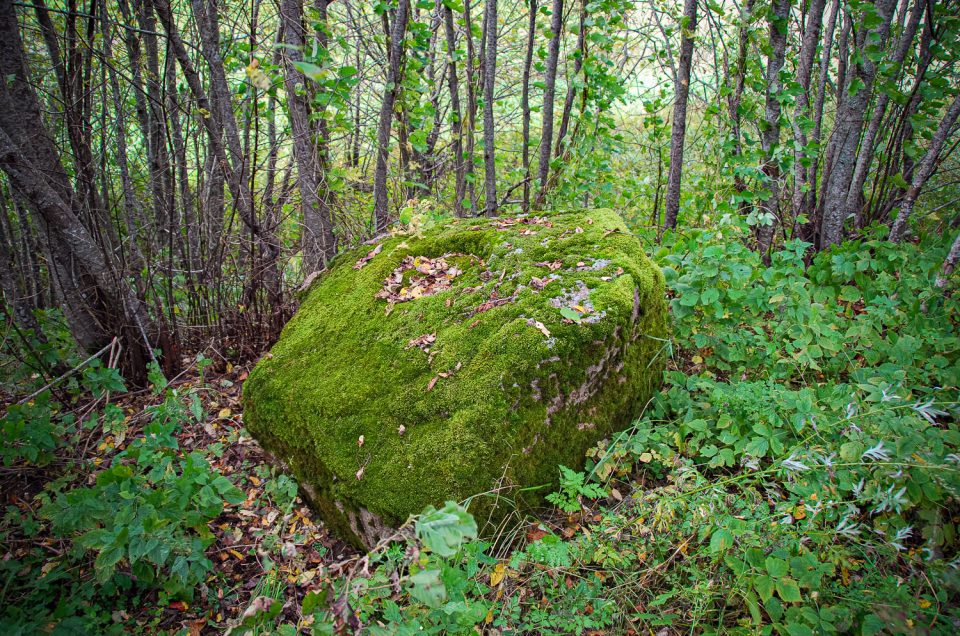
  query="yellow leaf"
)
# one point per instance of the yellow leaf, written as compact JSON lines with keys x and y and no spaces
{"x":496,"y":577}
{"x":581,"y":309}
{"x":235,"y":554}
{"x":229,"y":367}
{"x":489,"y":618}
{"x":924,"y":603}
{"x":697,"y":360}
{"x":224,"y":413}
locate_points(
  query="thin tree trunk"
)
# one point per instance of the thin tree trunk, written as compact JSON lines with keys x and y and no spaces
{"x":926,"y":168}
{"x":679,"y":128}
{"x":471,"y":110}
{"x":380,"y":202}
{"x":457,"y":121}
{"x":316,"y":237}
{"x":854,"y":204}
{"x":802,"y":114}
{"x":490,"y":75}
{"x":770,"y":139}
{"x":99,"y":303}
{"x":847,"y":131}
{"x":571,"y":81}
{"x":549,"y":97}
{"x":525,"y":101}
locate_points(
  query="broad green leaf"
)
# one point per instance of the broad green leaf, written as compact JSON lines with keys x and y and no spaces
{"x":721,"y":540}
{"x":444,"y":531}
{"x":428,"y":588}
{"x":788,"y":590}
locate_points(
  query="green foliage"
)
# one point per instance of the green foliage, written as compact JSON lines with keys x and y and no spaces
{"x":444,"y":531}
{"x":142,"y":523}
{"x":573,"y":486}
{"x":776,"y":488}
{"x":148,"y":511}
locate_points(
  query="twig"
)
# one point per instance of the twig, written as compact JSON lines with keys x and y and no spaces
{"x":69,"y":373}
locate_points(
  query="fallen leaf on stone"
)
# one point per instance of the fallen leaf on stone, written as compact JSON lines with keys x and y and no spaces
{"x":539,"y":325}
{"x":432,"y":275}
{"x":423,"y":342}
{"x":366,"y":259}
{"x":570,"y":314}
{"x":551,"y":265}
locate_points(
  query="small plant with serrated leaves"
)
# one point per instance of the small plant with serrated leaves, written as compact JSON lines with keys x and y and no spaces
{"x":573,"y":489}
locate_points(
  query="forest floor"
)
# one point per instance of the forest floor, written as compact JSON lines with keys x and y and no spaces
{"x":799,"y":472}
{"x":271,"y":544}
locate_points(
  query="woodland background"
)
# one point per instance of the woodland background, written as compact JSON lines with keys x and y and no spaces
{"x":172,"y":172}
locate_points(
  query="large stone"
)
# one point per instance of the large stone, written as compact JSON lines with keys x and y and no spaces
{"x":482,"y":353}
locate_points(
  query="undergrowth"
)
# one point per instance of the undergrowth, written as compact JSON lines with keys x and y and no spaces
{"x":797,"y":474}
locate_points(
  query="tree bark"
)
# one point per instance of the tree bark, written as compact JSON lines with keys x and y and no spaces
{"x":456,"y":132}
{"x":316,"y":233}
{"x":949,"y":264}
{"x":549,"y":97}
{"x":770,"y":139}
{"x":802,"y":113}
{"x":525,"y":102}
{"x":98,"y":302}
{"x":926,"y":168}
{"x":847,"y":131}
{"x":490,"y":76}
{"x":854,"y":205}
{"x":679,"y":127}
{"x":380,"y":203}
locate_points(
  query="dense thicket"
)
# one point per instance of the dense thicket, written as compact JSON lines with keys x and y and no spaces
{"x":172,"y":170}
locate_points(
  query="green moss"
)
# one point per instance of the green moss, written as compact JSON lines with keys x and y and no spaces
{"x":516,"y":403}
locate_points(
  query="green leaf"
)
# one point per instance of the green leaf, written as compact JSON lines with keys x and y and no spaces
{"x":763,"y":584}
{"x":788,"y":590}
{"x":444,"y":531}
{"x":571,"y":314}
{"x":849,"y":294}
{"x":314,"y":601}
{"x":428,"y":588}
{"x":721,"y":540}
{"x":776,"y":568}
{"x":312,"y":71}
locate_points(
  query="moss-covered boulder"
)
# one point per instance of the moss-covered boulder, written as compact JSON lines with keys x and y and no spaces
{"x":435,"y":367}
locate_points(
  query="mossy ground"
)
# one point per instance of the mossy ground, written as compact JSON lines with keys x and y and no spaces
{"x":516,"y":403}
